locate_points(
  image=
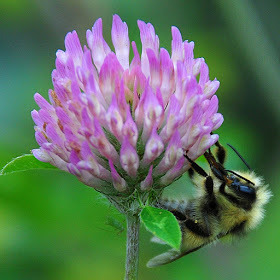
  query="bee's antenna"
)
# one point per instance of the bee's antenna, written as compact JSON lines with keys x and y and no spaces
{"x":236,"y":174}
{"x":240,"y":156}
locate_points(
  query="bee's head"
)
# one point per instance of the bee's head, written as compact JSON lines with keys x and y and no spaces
{"x":247,"y":191}
{"x":239,"y":190}
{"x":242,"y":189}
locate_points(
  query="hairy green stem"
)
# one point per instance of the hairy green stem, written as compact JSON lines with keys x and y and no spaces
{"x":132,"y":247}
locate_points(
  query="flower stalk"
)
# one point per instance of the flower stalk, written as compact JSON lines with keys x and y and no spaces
{"x":132,"y":247}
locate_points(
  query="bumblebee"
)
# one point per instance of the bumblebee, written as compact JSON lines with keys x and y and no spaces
{"x":228,"y":204}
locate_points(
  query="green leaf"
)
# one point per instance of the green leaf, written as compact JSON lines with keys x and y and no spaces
{"x":163,"y":225}
{"x":23,"y":163}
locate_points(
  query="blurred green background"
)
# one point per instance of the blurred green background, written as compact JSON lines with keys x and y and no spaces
{"x":53,"y":227}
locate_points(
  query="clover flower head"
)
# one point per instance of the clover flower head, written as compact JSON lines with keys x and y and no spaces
{"x":120,"y":125}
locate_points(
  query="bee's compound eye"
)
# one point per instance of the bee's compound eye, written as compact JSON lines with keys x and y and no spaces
{"x":246,"y":189}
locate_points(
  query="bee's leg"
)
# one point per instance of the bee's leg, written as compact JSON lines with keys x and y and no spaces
{"x":191,"y":172}
{"x":209,"y":185}
{"x":196,"y":168}
{"x":220,"y":153}
{"x":200,"y":228}
{"x":197,"y":221}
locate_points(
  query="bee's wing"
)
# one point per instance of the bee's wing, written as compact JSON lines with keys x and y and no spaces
{"x":164,"y":258}
{"x":171,"y":256}
{"x":157,"y":240}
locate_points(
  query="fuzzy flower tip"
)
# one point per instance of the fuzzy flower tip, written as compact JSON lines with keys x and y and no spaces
{"x":120,"y":125}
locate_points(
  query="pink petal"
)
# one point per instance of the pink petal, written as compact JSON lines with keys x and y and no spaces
{"x":147,"y":183}
{"x":129,"y":158}
{"x":177,"y":45}
{"x":109,"y":72}
{"x":130,"y":130}
{"x":167,"y":75}
{"x":155,"y":74}
{"x":73,"y":47}
{"x":121,"y":41}
{"x":210,"y":88}
{"x":114,"y":119}
{"x":41,"y":155}
{"x":150,"y":40}
{"x":43,"y":103}
{"x":97,"y":44}
{"x":118,"y":182}
{"x":172,"y":154}
{"x":154,"y":147}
